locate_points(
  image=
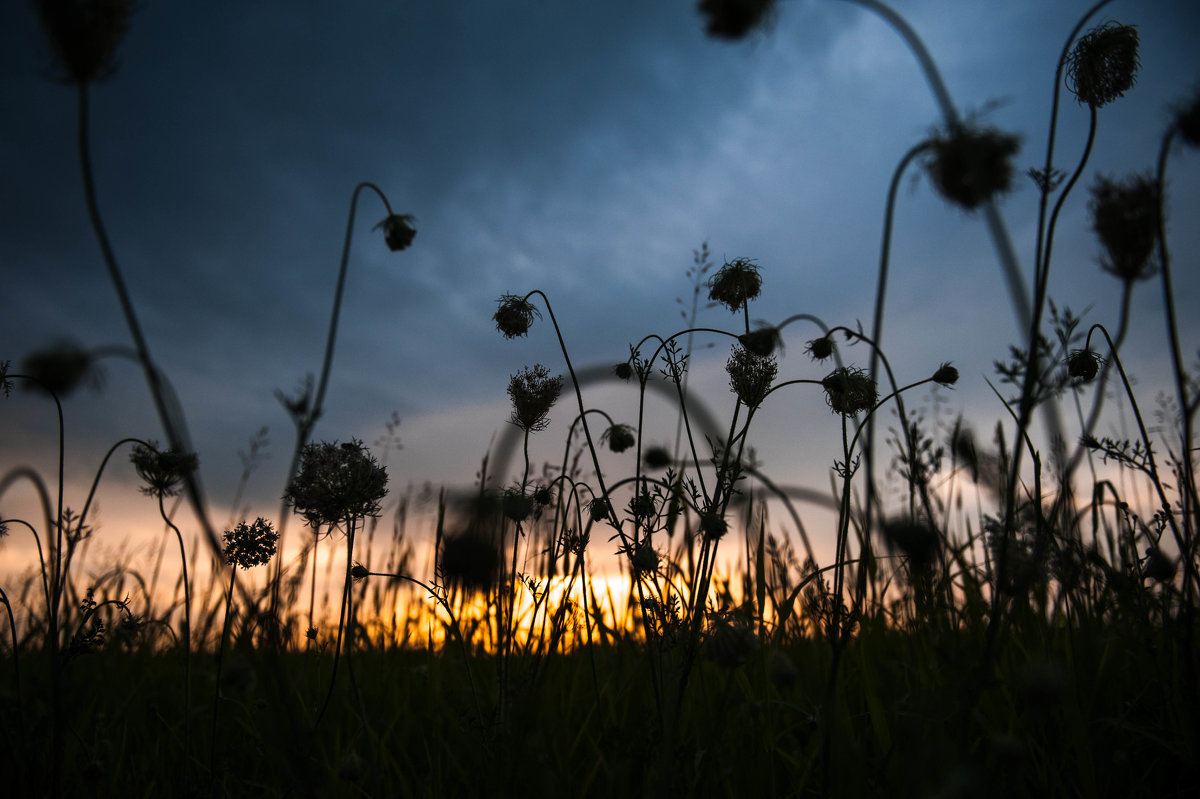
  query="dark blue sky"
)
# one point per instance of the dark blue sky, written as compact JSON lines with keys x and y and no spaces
{"x":584,"y":149}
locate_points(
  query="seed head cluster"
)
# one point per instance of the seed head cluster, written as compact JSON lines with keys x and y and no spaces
{"x":337,"y":483}
{"x":250,"y":545}
{"x":533,"y":392}
{"x":1103,"y":64}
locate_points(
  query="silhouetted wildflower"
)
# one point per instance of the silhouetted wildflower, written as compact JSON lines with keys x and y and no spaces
{"x":820,"y":348}
{"x":359,"y":572}
{"x":657,"y":458}
{"x":945,"y":375}
{"x":1125,"y":216}
{"x":469,"y":561}
{"x":398,"y":231}
{"x":620,"y":437}
{"x":1187,"y":120}
{"x":644,"y":559}
{"x":516,"y":504}
{"x":6,"y":384}
{"x":61,"y":369}
{"x":249,"y":545}
{"x":642,"y":506}
{"x":543,"y":496}
{"x":623,"y":370}
{"x":85,"y":35}
{"x":713,"y":526}
{"x":1103,"y":64}
{"x":514,"y":315}
{"x":730,"y":642}
{"x":599,"y":509}
{"x":970,"y":165}
{"x":733,"y":19}
{"x":336,"y":483}
{"x":761,"y":341}
{"x":735,"y":283}
{"x":917,"y":541}
{"x":750,"y":375}
{"x":849,"y":391}
{"x":162,"y":471}
{"x":1083,"y":365}
{"x":533,"y":392}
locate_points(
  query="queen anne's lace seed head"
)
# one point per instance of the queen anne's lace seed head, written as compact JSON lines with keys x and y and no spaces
{"x":533,"y":392}
{"x":162,"y":471}
{"x":514,"y":315}
{"x":1125,"y":216}
{"x":849,"y":391}
{"x":398,"y":231}
{"x":336,"y":483}
{"x":1103,"y":64}
{"x":735,"y":284}
{"x":970,"y":165}
{"x":85,"y":35}
{"x":250,"y":545}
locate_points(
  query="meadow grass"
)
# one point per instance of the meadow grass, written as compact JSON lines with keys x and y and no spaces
{"x":1046,"y":644}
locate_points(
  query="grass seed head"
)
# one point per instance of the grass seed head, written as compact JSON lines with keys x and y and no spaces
{"x":1103,"y":64}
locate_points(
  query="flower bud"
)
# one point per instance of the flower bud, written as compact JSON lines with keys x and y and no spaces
{"x":750,"y":375}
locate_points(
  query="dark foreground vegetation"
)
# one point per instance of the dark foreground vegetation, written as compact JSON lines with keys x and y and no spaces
{"x":1043,"y":644}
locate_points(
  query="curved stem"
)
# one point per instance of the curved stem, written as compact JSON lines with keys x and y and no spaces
{"x":187,"y":635}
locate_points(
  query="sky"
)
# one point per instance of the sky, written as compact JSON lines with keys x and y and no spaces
{"x":584,"y":149}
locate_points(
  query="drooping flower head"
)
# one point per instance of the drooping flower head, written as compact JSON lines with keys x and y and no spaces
{"x":750,"y":375}
{"x":162,"y":471}
{"x":763,"y":340}
{"x":337,"y":483}
{"x":533,"y":392}
{"x":970,"y":165}
{"x":1103,"y":64}
{"x":61,"y":368}
{"x":819,"y":348}
{"x":735,"y":283}
{"x":85,"y":35}
{"x":1187,"y":120}
{"x":1125,"y":215}
{"x":620,"y":437}
{"x":733,"y":19}
{"x":1083,"y":365}
{"x":849,"y":391}
{"x":946,"y":375}
{"x":250,"y":545}
{"x":514,"y":315}
{"x":398,"y":231}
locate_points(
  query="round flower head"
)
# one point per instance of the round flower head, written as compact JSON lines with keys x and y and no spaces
{"x":820,"y":348}
{"x":249,"y":545}
{"x":514,"y":315}
{"x":61,"y":368}
{"x":623,"y":370}
{"x":533,"y":392}
{"x":1125,"y":217}
{"x":516,"y":504}
{"x":750,"y":375}
{"x":735,"y":283}
{"x":1083,"y":365}
{"x":337,"y":483}
{"x":398,"y":231}
{"x":598,"y":509}
{"x":84,"y":35}
{"x":644,"y":559}
{"x":620,"y":437}
{"x":642,"y":505}
{"x":657,"y":458}
{"x":359,"y":572}
{"x":162,"y":471}
{"x":761,"y":341}
{"x":945,"y":375}
{"x":1103,"y":64}
{"x":849,"y":391}
{"x":970,"y":165}
{"x":733,"y":19}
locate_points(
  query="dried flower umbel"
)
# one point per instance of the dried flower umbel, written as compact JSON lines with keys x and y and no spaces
{"x":762,"y":340}
{"x":735,"y":283}
{"x":85,"y":35}
{"x":970,"y":165}
{"x":849,"y":391}
{"x":336,"y":483}
{"x":1084,"y":365}
{"x":514,"y":315}
{"x":250,"y":545}
{"x":398,"y":231}
{"x":533,"y":392}
{"x":1103,"y":64}
{"x":61,"y":368}
{"x":162,"y":471}
{"x":750,"y":375}
{"x":1125,"y":217}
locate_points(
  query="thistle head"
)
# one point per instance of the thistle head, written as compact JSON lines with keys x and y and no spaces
{"x":1103,"y":64}
{"x":750,"y":375}
{"x":620,"y":437}
{"x":162,"y":471}
{"x":970,"y":165}
{"x":735,"y":283}
{"x":250,"y":545}
{"x":84,"y":35}
{"x":514,"y":315}
{"x":734,"y":19}
{"x":398,"y":231}
{"x":533,"y":393}
{"x":62,"y":368}
{"x":849,"y":391}
{"x":337,"y":483}
{"x":1125,"y":216}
